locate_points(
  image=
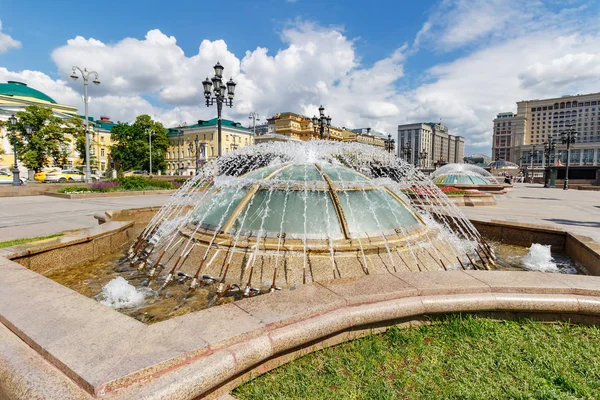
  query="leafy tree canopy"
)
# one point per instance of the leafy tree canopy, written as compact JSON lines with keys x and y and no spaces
{"x":131,"y":149}
{"x":45,"y":144}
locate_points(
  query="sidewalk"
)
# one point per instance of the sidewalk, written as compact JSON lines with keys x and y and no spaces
{"x":31,"y":216}
{"x":576,"y":211}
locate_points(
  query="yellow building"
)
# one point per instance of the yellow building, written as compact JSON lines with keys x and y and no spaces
{"x":290,"y":126}
{"x":15,"y":96}
{"x":181,"y":154}
{"x":101,"y":141}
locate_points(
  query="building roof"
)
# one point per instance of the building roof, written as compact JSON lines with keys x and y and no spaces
{"x":105,"y":125}
{"x":99,"y":124}
{"x":20,"y":89}
{"x":211,"y":122}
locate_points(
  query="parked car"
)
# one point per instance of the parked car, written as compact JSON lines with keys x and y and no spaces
{"x":135,"y":172}
{"x":41,"y":176}
{"x":7,"y":179}
{"x":67,"y":175}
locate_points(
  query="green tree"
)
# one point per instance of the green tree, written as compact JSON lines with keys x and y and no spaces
{"x":45,"y":142}
{"x":131,"y":149}
{"x":76,"y":128}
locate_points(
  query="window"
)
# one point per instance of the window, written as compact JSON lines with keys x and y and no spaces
{"x":102,"y":138}
{"x":101,"y":152}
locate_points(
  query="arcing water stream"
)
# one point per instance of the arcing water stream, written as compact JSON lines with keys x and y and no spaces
{"x":282,"y":214}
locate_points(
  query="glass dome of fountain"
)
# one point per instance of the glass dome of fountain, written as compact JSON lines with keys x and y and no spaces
{"x":312,"y":201}
{"x":462,"y":174}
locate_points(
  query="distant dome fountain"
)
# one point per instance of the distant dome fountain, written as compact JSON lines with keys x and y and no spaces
{"x":283,"y":214}
{"x":463,"y":174}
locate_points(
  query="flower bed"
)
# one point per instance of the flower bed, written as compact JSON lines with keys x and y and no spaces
{"x":124,"y":184}
{"x":448,"y":190}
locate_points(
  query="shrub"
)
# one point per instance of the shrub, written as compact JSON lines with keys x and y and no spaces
{"x":73,"y":189}
{"x":143,"y":183}
{"x":108,"y":186}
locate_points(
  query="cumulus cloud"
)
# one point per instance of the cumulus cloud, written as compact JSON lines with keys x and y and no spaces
{"x":319,"y":65}
{"x":7,"y":42}
{"x":458,"y":23}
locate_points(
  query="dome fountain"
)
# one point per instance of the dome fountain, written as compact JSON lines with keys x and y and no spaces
{"x":278,"y":215}
{"x":469,"y":177}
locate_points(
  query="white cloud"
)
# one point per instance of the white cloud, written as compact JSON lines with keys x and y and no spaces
{"x":7,"y":42}
{"x":458,"y":23}
{"x":319,"y":65}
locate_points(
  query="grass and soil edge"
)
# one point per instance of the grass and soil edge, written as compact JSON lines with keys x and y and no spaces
{"x":456,"y":356}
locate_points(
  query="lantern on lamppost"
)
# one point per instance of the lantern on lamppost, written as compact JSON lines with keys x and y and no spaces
{"x":422,"y":158}
{"x":321,"y":122}
{"x":568,"y":136}
{"x":532,"y":154}
{"x":221,"y":94}
{"x":389,"y":144}
{"x":549,"y":148}
{"x":198,"y":149}
{"x":86,"y":100}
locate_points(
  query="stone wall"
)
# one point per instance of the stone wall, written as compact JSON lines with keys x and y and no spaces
{"x":35,"y":189}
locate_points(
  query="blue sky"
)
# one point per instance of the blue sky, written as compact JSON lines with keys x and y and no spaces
{"x":45,"y":25}
{"x":370,"y":63}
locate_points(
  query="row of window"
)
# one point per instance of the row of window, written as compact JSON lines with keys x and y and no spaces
{"x":568,"y":104}
{"x":586,"y":156}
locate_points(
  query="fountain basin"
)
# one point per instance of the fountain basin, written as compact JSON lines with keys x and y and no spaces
{"x":101,"y":353}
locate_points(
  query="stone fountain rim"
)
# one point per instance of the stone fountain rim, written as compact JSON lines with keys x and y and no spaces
{"x":204,"y":360}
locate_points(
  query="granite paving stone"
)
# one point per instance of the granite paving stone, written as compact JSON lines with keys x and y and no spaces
{"x":581,"y":284}
{"x":448,"y":282}
{"x":520,"y":281}
{"x":288,"y":306}
{"x":215,"y":327}
{"x":370,"y":289}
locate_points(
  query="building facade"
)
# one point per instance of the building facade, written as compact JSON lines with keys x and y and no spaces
{"x":181,"y":156}
{"x":290,"y":126}
{"x":427,"y":144}
{"x":519,"y":137}
{"x":16,"y":96}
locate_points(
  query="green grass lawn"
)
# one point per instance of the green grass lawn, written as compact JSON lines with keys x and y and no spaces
{"x":15,"y":242}
{"x":457,"y":357}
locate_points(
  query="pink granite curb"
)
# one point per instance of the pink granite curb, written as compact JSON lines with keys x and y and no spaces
{"x":209,"y":352}
{"x":303,"y":335}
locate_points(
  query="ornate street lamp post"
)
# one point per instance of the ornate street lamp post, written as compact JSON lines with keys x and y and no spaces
{"x":254,"y":117}
{"x":407,"y":151}
{"x":179,"y":142}
{"x":549,"y":148}
{"x":321,"y":122}
{"x":16,"y":179}
{"x":389,"y":144}
{"x":85,"y":75}
{"x":197,"y":149}
{"x":149,"y":132}
{"x":422,"y":158}
{"x":216,"y":83}
{"x":568,"y":136}
{"x":532,"y":154}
